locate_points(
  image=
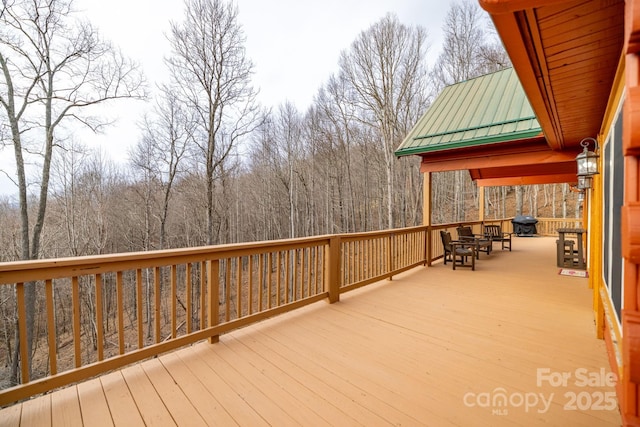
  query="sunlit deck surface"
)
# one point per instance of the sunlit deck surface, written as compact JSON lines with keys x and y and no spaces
{"x":432,"y":347}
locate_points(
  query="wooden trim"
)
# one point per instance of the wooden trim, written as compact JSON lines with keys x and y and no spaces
{"x":526,"y":180}
{"x":500,"y":161}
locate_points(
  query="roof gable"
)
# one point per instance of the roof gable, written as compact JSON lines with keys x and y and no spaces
{"x":485,"y":110}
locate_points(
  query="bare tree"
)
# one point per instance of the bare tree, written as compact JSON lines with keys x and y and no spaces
{"x":163,"y":147}
{"x":210,"y":66}
{"x":53,"y":68}
{"x":385,"y":67}
{"x":469,"y":50}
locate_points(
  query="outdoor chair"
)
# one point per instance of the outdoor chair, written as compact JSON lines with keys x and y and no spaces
{"x":483,"y":243}
{"x":497,"y":235}
{"x":457,"y":251}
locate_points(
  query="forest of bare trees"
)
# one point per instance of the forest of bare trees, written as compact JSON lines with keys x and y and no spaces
{"x":212,"y":165}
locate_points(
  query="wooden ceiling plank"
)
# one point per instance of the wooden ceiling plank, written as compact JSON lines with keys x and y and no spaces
{"x":583,"y":14}
{"x":601,"y":38}
{"x":548,"y":13}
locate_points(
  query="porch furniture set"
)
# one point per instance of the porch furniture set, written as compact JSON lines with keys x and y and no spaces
{"x":464,"y":251}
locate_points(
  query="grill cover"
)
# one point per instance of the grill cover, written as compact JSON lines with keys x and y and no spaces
{"x":524,"y":225}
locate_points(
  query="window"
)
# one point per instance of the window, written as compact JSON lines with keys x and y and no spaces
{"x":613,"y":192}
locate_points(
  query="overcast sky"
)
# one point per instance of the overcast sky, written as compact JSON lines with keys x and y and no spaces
{"x":294,"y":45}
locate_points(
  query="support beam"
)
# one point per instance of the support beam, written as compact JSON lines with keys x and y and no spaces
{"x":427,"y":179}
{"x":527,"y":180}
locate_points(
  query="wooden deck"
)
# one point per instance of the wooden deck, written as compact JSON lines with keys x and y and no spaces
{"x":432,"y":347}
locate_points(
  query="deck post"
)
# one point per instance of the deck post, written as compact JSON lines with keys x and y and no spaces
{"x":213,"y":289}
{"x":332,"y":269}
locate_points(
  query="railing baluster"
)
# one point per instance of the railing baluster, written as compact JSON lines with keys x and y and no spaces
{"x":391,"y":252}
{"x":75,"y":301}
{"x":22,"y":325}
{"x":203,"y":294}
{"x":213,"y":287}
{"x":174,"y":302}
{"x":260,"y":281}
{"x":99,"y":317}
{"x":358,"y":261}
{"x":51,"y":327}
{"x":319,"y":284}
{"x":120,"y":309}
{"x":299,"y":271}
{"x":239,"y":287}
{"x":309,"y":270}
{"x":227,"y":289}
{"x":157,"y":303}
{"x":187,"y":290}
{"x":139,"y":300}
{"x":269,"y":279}
{"x":278,"y":278}
{"x":250,"y":280}
{"x":287,"y":275}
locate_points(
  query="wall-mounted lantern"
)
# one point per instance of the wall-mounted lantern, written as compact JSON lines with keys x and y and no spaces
{"x":587,"y":164}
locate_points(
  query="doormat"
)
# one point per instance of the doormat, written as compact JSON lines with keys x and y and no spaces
{"x":572,"y":272}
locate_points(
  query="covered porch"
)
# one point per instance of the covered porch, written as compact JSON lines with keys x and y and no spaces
{"x":511,"y":343}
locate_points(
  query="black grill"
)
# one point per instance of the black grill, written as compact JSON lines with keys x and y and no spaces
{"x":524,"y":225}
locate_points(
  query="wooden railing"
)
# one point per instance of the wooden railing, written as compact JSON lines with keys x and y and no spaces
{"x":549,"y":226}
{"x":104,"y":312}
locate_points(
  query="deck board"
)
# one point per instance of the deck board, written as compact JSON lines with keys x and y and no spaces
{"x":407,"y":351}
{"x":206,"y":404}
{"x":36,"y":412}
{"x":122,"y":406}
{"x":93,"y":403}
{"x":65,"y":407}
{"x":175,"y":400}
{"x":149,"y":403}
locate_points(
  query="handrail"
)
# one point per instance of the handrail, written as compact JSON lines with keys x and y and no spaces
{"x":106,"y":311}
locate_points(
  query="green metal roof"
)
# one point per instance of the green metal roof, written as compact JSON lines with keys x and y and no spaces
{"x":485,"y":110}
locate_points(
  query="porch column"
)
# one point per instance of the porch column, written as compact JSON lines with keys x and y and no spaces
{"x":426,"y":214}
{"x":481,"y":203}
{"x":426,"y":198}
